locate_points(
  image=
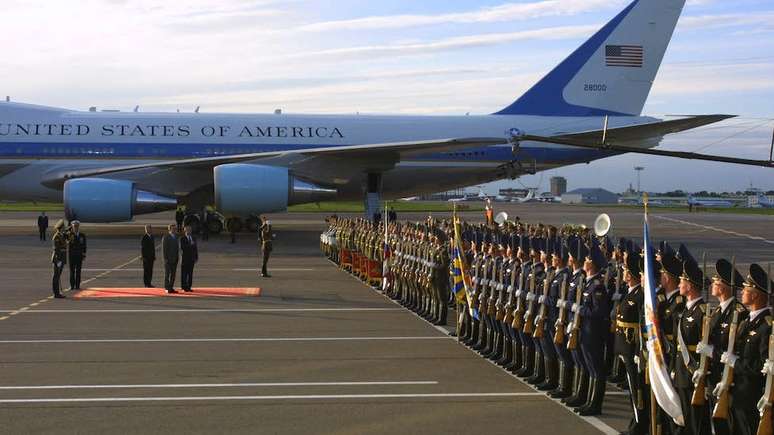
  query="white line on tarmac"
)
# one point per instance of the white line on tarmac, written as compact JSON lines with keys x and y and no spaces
{"x":720,"y":230}
{"x":273,"y":397}
{"x":276,"y":269}
{"x":214,"y":340}
{"x":247,"y":384}
{"x":209,"y":310}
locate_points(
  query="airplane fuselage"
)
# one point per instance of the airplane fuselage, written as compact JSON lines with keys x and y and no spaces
{"x":36,"y":142}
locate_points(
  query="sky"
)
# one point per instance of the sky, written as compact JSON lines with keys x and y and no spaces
{"x":406,"y":57}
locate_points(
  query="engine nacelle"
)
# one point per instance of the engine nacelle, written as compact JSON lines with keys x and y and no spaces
{"x":105,"y":200}
{"x":243,"y":189}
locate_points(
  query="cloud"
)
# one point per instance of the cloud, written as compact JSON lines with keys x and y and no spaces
{"x":490,"y":14}
{"x":704,"y":22}
{"x":453,"y":43}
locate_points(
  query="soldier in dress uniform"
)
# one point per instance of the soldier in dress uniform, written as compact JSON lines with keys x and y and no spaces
{"x":564,"y":279}
{"x":687,"y":333}
{"x":750,"y":352}
{"x":58,"y":256}
{"x":532,"y":284}
{"x":721,"y":316}
{"x":558,"y":283}
{"x":629,"y":344}
{"x":595,"y":327}
{"x":577,"y":255}
{"x":76,"y":253}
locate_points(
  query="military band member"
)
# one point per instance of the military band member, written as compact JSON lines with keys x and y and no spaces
{"x":720,"y":320}
{"x":595,"y":326}
{"x":76,"y":253}
{"x":685,"y":361}
{"x":750,"y":352}
{"x":58,"y":257}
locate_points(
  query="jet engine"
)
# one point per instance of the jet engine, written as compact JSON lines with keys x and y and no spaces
{"x":243,"y":189}
{"x":105,"y":200}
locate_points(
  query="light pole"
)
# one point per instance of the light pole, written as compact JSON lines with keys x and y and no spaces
{"x":638,"y":169}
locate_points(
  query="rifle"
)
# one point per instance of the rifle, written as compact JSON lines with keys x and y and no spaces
{"x":529,"y":317}
{"x":540,"y":321}
{"x":518,"y":314}
{"x":561,"y":323}
{"x":572,"y":340}
{"x":699,"y":392}
{"x":721,"y":407}
{"x":481,"y":296}
{"x":767,"y":401}
{"x":515,"y":273}
{"x":499,"y":305}
{"x":493,"y":285}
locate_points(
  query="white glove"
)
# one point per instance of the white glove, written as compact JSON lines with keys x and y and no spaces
{"x":728,"y":358}
{"x":518,"y":293}
{"x":574,"y":308}
{"x":570,"y":326}
{"x":762,"y":402}
{"x":541,"y":299}
{"x":696,"y":377}
{"x":768,"y":368}
{"x":719,"y":389}
{"x":705,"y":349}
{"x":560,"y":304}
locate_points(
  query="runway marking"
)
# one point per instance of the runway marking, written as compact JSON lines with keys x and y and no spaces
{"x":143,"y":292}
{"x":275,"y":269}
{"x":244,"y":384}
{"x":593,"y":421}
{"x":215,"y":340}
{"x":210,"y":310}
{"x":107,"y":271}
{"x":269,"y":397}
{"x":720,"y":230}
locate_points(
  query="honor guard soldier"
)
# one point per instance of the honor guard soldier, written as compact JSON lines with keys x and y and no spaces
{"x":267,"y":245}
{"x":58,"y":256}
{"x":685,"y":360}
{"x":750,"y":353}
{"x":577,"y":252}
{"x":76,"y":253}
{"x":629,"y":343}
{"x":549,"y":314}
{"x":724,"y":286}
{"x":595,"y":326}
{"x":564,"y":279}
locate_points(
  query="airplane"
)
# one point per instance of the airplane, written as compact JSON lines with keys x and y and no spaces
{"x":108,"y":166}
{"x":709,"y":202}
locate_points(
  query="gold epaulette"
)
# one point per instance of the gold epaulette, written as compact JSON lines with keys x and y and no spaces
{"x":739,"y":307}
{"x":661,"y":298}
{"x":768,"y":320}
{"x":703,"y":307}
{"x":679,"y":299}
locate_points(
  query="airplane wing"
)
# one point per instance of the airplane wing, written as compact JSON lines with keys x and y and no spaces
{"x":619,"y":140}
{"x":643,"y":131}
{"x":358,"y":157}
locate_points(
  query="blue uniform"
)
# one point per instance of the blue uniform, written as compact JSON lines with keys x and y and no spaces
{"x":595,"y":325}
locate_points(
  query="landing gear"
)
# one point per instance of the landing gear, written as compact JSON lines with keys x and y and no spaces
{"x":252,"y":224}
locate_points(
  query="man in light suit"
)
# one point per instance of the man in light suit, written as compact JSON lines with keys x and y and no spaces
{"x":170,"y":246}
{"x":190,"y":256}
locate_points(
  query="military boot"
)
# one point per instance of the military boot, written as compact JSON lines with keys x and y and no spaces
{"x":564,"y":388}
{"x":507,"y":350}
{"x":580,"y":396}
{"x":596,"y":398}
{"x":516,"y":357}
{"x":527,"y":362}
{"x":552,"y":375}
{"x":539,"y":373}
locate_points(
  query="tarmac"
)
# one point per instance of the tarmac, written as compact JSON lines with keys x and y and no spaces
{"x":316,"y":352}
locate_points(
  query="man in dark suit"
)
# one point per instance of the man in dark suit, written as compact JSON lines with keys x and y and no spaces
{"x":148,"y":252}
{"x":42,"y":226}
{"x":190,"y":255}
{"x":76,"y":253}
{"x":170,"y":246}
{"x":266,"y":246}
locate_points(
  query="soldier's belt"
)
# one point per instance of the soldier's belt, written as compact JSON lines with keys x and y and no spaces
{"x":627,"y":325}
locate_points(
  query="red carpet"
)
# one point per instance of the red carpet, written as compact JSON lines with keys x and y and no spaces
{"x":142,"y":292}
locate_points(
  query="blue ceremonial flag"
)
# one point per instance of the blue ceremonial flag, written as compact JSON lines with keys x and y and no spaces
{"x":660,"y":382}
{"x":460,"y":278}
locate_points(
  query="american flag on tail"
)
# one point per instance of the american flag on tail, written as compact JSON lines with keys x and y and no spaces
{"x":624,"y":55}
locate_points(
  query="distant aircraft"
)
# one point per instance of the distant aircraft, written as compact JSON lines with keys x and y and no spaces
{"x":410,"y":198}
{"x":530,"y":197}
{"x":709,"y":202}
{"x":108,"y":166}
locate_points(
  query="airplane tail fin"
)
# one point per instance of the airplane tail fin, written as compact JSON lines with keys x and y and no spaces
{"x":612,"y":72}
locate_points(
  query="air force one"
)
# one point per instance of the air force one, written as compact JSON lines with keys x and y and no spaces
{"x":107,"y":166}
